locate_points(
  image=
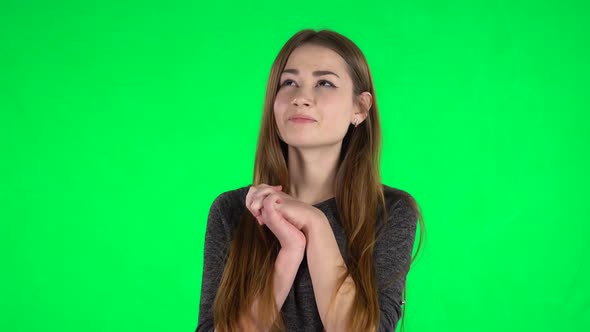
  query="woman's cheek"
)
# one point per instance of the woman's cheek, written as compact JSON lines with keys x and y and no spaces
{"x":281,"y":101}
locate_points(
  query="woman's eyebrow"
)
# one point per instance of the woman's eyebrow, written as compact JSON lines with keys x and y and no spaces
{"x":315,"y":73}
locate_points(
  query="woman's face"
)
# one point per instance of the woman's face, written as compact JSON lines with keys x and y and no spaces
{"x":315,"y":84}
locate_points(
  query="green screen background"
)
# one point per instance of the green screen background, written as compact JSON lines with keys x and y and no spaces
{"x":121,"y":122}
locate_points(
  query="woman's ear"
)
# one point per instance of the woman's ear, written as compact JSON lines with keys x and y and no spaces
{"x":365,"y":101}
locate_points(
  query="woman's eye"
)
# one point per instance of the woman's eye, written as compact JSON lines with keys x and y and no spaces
{"x":324,"y":81}
{"x":321,"y":83}
{"x":286,"y":82}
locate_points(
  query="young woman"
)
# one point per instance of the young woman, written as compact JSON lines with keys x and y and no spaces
{"x":317,"y":242}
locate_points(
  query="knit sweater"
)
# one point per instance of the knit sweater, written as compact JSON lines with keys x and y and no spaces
{"x":392,"y":252}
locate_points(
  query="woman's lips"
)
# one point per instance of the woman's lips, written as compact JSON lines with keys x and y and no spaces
{"x":301,"y":120}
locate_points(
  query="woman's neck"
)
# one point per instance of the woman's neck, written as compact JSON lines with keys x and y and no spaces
{"x":312,"y":172}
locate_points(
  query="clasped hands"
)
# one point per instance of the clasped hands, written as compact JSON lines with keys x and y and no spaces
{"x":287,"y":217}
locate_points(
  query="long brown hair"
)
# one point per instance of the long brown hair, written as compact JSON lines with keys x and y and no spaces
{"x":358,"y":193}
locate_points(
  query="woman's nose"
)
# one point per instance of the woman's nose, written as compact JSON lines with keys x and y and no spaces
{"x":302,"y":98}
{"x":298,"y":101}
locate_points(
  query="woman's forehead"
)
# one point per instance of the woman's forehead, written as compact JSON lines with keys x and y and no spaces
{"x":309,"y":58}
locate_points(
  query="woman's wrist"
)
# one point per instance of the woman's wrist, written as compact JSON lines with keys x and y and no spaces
{"x":315,"y":219}
{"x":287,"y":257}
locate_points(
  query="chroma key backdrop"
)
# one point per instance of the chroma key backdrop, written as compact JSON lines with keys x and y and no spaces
{"x":122,"y":121}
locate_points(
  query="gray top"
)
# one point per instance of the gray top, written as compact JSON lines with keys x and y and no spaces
{"x":392,"y":252}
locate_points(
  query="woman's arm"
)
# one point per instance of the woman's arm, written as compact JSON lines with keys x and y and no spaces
{"x":215,"y":252}
{"x":392,"y":254}
{"x":285,"y":270}
{"x":214,"y":259}
{"x":325,"y":266}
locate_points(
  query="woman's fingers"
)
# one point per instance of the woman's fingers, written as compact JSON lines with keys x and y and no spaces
{"x":275,"y":221}
{"x":256,"y":196}
{"x":254,"y":190}
{"x":288,"y":235}
{"x":257,"y":199}
{"x":268,"y":208}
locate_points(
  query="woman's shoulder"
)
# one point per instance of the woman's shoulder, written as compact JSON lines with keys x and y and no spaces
{"x":402,"y":209}
{"x":398,"y":198}
{"x":395,"y":194}
{"x":231,"y":199}
{"x":226,"y":209}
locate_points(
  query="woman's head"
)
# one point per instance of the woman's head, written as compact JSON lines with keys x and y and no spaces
{"x":325,"y":76}
{"x":317,"y":83}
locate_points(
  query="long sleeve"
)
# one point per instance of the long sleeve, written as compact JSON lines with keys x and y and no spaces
{"x":214,"y":258}
{"x":393,"y":250}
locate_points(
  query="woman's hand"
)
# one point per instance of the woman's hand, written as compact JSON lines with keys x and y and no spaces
{"x":299,"y":214}
{"x":262,"y":201}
